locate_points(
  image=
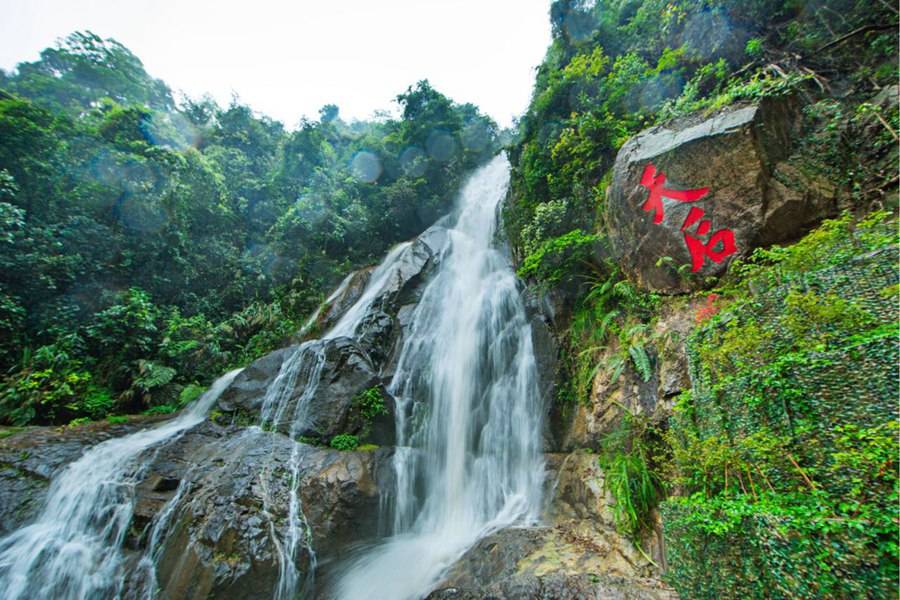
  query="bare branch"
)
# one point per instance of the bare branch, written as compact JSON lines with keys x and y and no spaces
{"x":854,"y":33}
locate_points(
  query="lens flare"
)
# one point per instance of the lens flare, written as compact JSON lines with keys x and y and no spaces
{"x":413,"y":161}
{"x":476,"y":136}
{"x":441,"y":146}
{"x":366,"y":167}
{"x":140,"y":213}
{"x":579,"y":26}
{"x":709,"y":36}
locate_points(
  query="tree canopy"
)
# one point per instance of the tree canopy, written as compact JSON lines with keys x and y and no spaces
{"x":146,"y":245}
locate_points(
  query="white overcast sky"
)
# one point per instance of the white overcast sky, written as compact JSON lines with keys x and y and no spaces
{"x":286,"y":59}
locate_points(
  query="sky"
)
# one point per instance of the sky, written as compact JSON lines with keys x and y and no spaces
{"x":288,"y":58}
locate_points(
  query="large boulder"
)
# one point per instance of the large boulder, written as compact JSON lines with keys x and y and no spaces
{"x":376,"y":300}
{"x":305,"y":390}
{"x":395,"y":287}
{"x":688,"y":197}
{"x":577,"y":554}
{"x":221,"y":497}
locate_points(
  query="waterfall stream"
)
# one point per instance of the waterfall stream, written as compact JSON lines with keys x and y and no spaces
{"x":468,"y":460}
{"x":307,"y":362}
{"x":467,"y":418}
{"x":73,"y":550}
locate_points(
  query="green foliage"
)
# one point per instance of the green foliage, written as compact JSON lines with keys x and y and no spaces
{"x":786,"y":447}
{"x":189,"y":393}
{"x":152,"y":375}
{"x":754,"y":47}
{"x":52,"y":385}
{"x":96,"y":402}
{"x":762,"y":84}
{"x":179,"y":241}
{"x":345,"y":442}
{"x":83,"y":69}
{"x":783,"y":544}
{"x":556,"y":257}
{"x":161,"y":409}
{"x":127,"y":329}
{"x":614,"y":68}
{"x":370,"y":403}
{"x":629,"y":459}
{"x":613,"y":312}
{"x":641,"y":361}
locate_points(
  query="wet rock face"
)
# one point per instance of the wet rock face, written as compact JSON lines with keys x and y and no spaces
{"x":29,"y":459}
{"x":228,"y":492}
{"x":559,"y":586}
{"x":555,"y":586}
{"x":589,"y":422}
{"x":688,"y":197}
{"x":546,"y":356}
{"x":350,"y":294}
{"x":347,"y":371}
{"x":578,"y":554}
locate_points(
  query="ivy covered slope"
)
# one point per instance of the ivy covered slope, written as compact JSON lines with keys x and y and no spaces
{"x":147,"y":245}
{"x":785,"y":447}
{"x":744,"y":412}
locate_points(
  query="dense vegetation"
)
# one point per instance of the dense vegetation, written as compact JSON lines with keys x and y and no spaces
{"x":616,"y":67}
{"x":148,"y":244}
{"x":785,"y":448}
{"x":777,"y":472}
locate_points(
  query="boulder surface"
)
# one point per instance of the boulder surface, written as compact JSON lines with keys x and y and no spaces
{"x":688,"y":197}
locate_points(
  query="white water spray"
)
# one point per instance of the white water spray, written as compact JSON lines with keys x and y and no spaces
{"x":305,"y":364}
{"x":468,"y":460}
{"x":73,"y":550}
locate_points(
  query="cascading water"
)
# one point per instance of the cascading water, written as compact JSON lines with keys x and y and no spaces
{"x":306,"y":362}
{"x":73,"y":549}
{"x":468,"y":421}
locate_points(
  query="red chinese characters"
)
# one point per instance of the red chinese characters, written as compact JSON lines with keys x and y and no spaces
{"x":700,"y":251}
{"x":720,"y":244}
{"x":654,"y":182}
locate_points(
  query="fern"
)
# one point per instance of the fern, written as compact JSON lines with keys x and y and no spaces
{"x":641,"y":361}
{"x":605,"y":323}
{"x":152,"y":375}
{"x":616,"y":366}
{"x":629,"y":475}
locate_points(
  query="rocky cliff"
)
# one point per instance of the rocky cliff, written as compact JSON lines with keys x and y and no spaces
{"x":210,"y":504}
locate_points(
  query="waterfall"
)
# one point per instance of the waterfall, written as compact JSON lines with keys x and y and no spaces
{"x":307,"y":362}
{"x":468,"y":418}
{"x":468,"y":460}
{"x":73,"y":550}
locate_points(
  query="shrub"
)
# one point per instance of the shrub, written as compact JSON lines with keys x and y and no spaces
{"x":370,"y":403}
{"x":631,"y":474}
{"x":344,"y":442}
{"x":558,"y":257}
